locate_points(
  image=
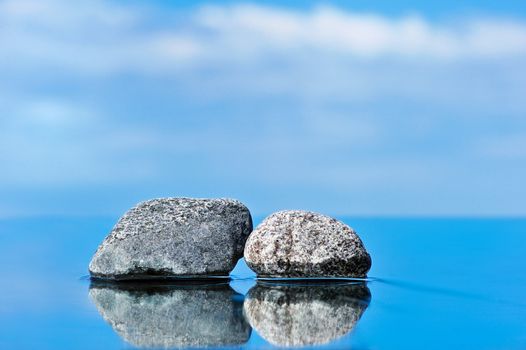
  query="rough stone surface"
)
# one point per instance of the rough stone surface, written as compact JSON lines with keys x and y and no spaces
{"x":290,"y":315}
{"x":167,"y":317}
{"x":171,"y":237}
{"x":304,"y":244}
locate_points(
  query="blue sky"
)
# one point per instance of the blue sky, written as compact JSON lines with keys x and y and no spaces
{"x":375,"y":109}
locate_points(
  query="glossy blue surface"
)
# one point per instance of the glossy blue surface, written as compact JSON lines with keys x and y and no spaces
{"x":435,"y":283}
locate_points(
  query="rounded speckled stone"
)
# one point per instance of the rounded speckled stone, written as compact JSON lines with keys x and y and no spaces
{"x":173,"y":237}
{"x":296,"y":243}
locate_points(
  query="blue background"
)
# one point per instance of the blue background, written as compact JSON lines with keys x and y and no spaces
{"x":398,"y":108}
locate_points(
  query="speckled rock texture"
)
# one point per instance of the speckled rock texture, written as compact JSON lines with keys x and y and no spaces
{"x":168,"y":317}
{"x":292,"y":315}
{"x":300,"y":244}
{"x":174,"y":237}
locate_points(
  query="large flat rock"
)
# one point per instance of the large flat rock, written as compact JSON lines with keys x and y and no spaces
{"x":174,"y":237}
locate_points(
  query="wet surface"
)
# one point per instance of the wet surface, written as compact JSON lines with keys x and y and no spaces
{"x":172,"y":315}
{"x":305,"y":314}
{"x":434,"y":284}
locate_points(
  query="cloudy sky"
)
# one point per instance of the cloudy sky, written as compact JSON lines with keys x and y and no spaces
{"x":398,"y":109}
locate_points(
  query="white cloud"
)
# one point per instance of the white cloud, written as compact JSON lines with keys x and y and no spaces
{"x":241,"y":28}
{"x":217,"y":51}
{"x":104,"y":37}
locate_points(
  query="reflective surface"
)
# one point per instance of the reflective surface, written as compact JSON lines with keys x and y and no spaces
{"x":171,"y":315}
{"x":435,"y":283}
{"x":298,"y":314}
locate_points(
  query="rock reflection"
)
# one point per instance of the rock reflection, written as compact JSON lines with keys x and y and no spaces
{"x":296,"y":315}
{"x":167,"y":316}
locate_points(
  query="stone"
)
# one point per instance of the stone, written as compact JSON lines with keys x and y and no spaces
{"x":174,"y":237}
{"x":299,"y":315}
{"x":304,"y":244}
{"x":165,"y":316}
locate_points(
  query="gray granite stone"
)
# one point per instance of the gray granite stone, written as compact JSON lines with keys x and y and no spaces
{"x":149,"y":316}
{"x":172,"y":237}
{"x":298,"y":243}
{"x":299,"y":315}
